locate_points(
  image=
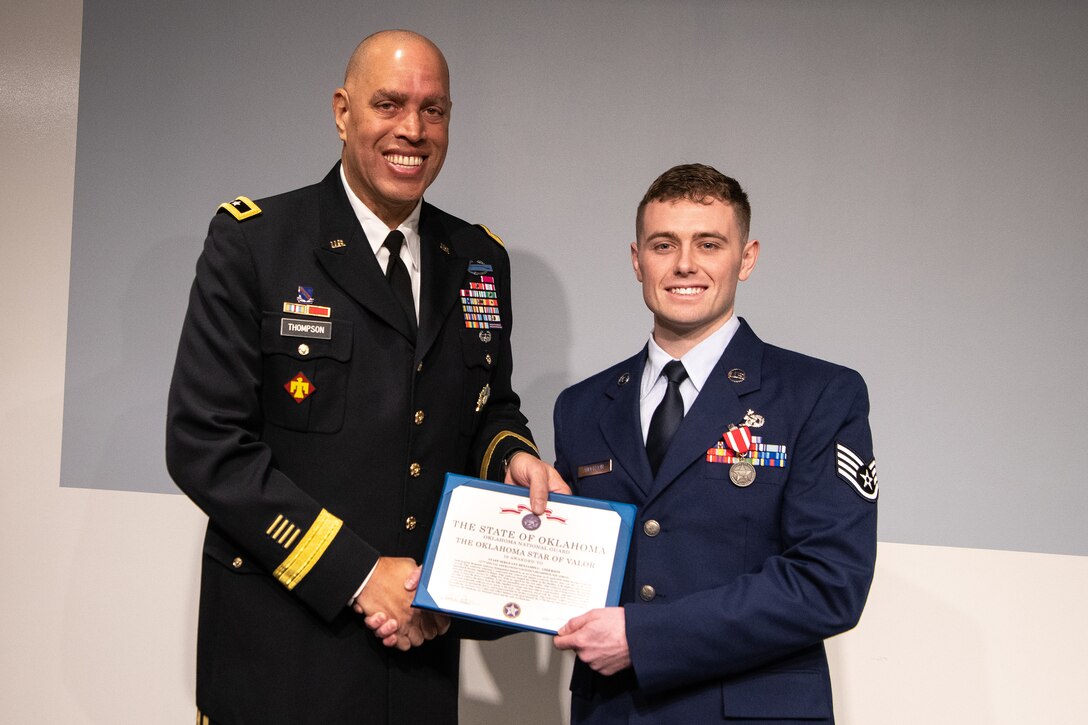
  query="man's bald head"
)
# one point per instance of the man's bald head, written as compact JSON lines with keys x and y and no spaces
{"x":385,"y":41}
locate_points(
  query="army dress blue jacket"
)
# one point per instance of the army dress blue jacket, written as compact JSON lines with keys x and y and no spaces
{"x":315,"y":432}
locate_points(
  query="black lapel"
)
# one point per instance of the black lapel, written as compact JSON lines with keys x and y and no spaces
{"x":345,"y":254}
{"x":443,"y":272}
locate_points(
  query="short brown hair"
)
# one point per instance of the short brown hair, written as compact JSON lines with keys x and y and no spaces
{"x":701,"y":184}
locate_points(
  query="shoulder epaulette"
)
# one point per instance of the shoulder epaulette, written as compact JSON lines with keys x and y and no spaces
{"x":241,"y":208}
{"x":493,"y":235}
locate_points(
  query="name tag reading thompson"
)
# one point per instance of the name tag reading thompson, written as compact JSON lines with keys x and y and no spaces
{"x":316,"y":329}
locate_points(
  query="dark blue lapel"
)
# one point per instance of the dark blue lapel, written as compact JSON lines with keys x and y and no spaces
{"x":620,"y":424}
{"x":719,"y":404}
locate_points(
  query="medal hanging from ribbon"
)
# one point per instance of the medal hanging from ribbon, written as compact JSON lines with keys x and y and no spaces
{"x":739,"y":440}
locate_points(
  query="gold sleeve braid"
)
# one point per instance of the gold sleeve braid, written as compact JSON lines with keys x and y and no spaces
{"x":499,"y":437}
{"x":309,"y":550}
{"x":493,"y":235}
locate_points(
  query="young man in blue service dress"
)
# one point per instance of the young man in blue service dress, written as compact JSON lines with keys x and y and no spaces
{"x":346,"y":344}
{"x":753,"y":471}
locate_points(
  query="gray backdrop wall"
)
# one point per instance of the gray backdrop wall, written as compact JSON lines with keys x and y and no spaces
{"x":917,"y":173}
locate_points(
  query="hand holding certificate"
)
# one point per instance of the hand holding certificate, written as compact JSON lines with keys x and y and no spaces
{"x":491,"y":559}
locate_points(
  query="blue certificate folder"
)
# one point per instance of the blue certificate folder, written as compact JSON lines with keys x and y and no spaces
{"x":425,"y":600}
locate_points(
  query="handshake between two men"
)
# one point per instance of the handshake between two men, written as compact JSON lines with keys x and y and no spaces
{"x":386,"y":599}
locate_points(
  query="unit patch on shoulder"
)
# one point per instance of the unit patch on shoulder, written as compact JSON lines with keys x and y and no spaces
{"x":493,"y":235}
{"x":241,"y":208}
{"x":860,"y":475}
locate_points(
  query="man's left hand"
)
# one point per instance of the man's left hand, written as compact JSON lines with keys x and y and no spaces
{"x":525,"y":469}
{"x":599,"y":638}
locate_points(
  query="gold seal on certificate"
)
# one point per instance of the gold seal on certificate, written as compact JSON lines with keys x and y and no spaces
{"x":490,"y":558}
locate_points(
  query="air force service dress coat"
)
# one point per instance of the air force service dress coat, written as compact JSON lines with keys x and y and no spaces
{"x":730,"y":590}
{"x":316,"y":444}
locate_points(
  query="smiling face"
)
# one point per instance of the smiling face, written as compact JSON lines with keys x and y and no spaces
{"x":393,"y":115}
{"x":689,"y":257}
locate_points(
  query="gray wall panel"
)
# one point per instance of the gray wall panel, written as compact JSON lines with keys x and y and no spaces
{"x":917,"y":173}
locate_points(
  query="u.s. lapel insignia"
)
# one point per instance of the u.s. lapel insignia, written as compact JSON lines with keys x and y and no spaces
{"x":860,"y":475}
{"x":623,"y":379}
{"x":481,"y":399}
{"x":445,"y":249}
{"x":736,"y":375}
{"x":337,"y":244}
{"x":299,"y":387}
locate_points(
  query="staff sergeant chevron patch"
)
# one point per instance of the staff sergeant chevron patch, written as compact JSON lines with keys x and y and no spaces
{"x":860,"y":475}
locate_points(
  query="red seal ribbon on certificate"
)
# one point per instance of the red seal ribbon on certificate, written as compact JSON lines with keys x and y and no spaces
{"x":742,"y":472}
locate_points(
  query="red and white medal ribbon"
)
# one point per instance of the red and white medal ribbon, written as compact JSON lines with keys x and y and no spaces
{"x":739,"y":440}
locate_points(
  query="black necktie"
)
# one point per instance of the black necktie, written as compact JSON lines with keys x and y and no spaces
{"x":667,"y":417}
{"x":398,"y":277}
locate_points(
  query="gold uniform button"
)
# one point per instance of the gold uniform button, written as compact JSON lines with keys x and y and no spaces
{"x":651,"y":528}
{"x":487,"y":358}
{"x":303,"y":349}
{"x":419,"y":368}
{"x":237,"y":563}
{"x":418,"y":417}
{"x":410,"y":523}
{"x":647,"y":593}
{"x":414,"y":470}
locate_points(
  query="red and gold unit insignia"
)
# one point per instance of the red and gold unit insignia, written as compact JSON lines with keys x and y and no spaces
{"x":299,"y":387}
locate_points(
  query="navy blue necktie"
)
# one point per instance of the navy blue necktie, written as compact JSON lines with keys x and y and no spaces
{"x":398,"y":277}
{"x":667,"y":417}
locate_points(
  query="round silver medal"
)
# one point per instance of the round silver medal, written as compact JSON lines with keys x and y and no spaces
{"x":742,"y":473}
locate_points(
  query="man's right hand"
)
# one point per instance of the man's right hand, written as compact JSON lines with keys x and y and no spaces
{"x":404,"y":628}
{"x":386,"y":593}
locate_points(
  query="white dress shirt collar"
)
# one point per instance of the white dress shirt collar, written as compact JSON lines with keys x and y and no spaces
{"x":376,"y":231}
{"x":699,"y":360}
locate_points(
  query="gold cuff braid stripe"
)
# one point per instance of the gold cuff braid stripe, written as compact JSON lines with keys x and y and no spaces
{"x":495,"y":443}
{"x":310,"y":548}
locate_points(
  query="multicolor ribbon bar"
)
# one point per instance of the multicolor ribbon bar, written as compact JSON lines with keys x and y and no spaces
{"x":759,"y":454}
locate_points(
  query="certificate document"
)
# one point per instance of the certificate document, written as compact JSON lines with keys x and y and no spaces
{"x":491,"y":559}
